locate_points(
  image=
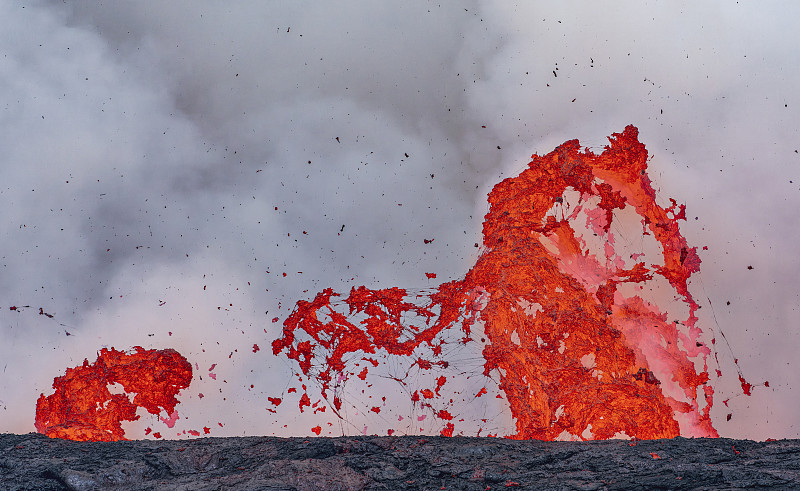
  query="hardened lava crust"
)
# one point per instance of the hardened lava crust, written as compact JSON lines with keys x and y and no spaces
{"x":34,"y":461}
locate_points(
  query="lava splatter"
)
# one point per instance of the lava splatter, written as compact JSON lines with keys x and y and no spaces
{"x":579,"y":352}
{"x":84,"y":409}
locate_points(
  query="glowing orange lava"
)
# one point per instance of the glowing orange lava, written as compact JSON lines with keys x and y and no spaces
{"x":84,"y":409}
{"x":579,"y":352}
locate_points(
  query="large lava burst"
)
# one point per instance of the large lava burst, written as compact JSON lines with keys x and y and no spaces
{"x":83,"y":408}
{"x":577,"y":349}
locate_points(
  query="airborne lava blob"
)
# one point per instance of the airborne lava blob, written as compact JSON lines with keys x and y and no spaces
{"x":578,"y":350}
{"x":83,"y":408}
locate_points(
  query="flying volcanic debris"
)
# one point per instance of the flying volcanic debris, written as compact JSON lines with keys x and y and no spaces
{"x":578,"y":350}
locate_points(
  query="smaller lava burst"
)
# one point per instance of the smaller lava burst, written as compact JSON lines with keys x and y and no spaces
{"x":84,"y":409}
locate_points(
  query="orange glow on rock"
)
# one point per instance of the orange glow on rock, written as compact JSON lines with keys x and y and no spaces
{"x":84,"y":409}
{"x":579,"y":352}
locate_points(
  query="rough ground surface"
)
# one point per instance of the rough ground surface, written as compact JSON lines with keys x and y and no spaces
{"x":34,"y":461}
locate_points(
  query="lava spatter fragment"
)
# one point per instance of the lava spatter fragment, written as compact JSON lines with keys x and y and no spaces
{"x":84,"y":409}
{"x":578,"y":351}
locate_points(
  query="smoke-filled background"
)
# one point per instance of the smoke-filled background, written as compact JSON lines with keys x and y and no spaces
{"x":178,"y":174}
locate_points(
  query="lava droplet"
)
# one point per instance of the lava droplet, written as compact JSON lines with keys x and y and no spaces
{"x":84,"y":409}
{"x":578,"y":351}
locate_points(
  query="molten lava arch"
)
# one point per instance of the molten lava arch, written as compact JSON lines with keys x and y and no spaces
{"x":83,"y":408}
{"x":578,"y":351}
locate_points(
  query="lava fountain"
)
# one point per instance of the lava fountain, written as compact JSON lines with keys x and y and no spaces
{"x":578,"y":351}
{"x":83,"y":408}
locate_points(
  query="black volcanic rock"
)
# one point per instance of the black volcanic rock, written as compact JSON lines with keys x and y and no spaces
{"x":34,"y":461}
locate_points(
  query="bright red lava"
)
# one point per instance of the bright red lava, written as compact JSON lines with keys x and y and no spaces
{"x":84,"y":409}
{"x":578,"y":351}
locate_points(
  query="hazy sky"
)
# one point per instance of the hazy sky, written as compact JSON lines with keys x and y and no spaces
{"x":164,"y":163}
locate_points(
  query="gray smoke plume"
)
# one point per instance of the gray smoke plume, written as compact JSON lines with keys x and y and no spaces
{"x":164,"y":164}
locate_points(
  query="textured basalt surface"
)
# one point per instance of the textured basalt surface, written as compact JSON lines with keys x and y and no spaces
{"x":34,"y":461}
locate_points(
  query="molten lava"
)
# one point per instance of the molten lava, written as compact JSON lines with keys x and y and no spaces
{"x":84,"y":409}
{"x":579,"y":351}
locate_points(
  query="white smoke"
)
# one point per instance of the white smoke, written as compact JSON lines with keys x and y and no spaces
{"x":147,"y":145}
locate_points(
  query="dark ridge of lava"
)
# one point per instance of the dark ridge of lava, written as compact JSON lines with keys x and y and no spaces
{"x":35,"y":461}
